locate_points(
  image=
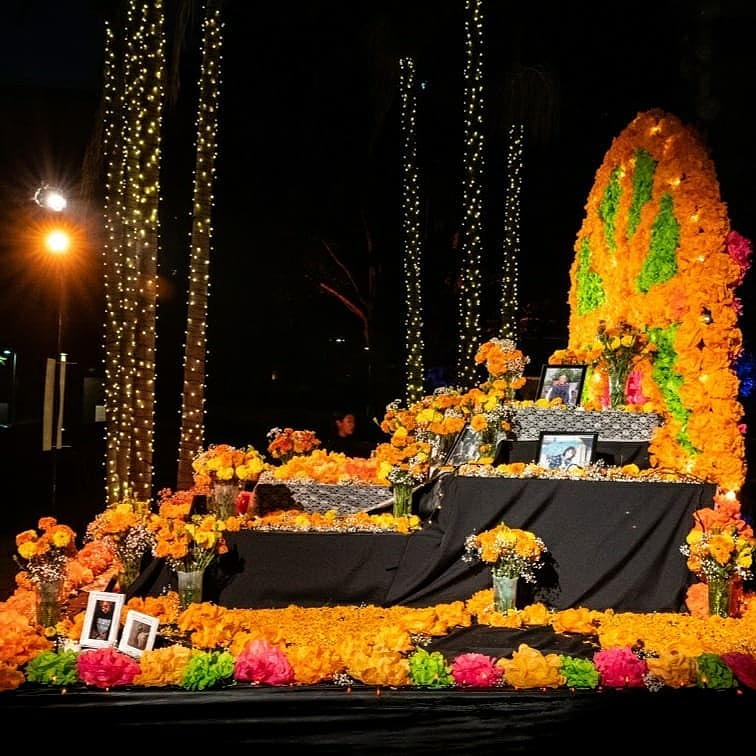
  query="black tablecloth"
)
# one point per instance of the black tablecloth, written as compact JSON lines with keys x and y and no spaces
{"x":613,"y":453}
{"x":612,"y":545}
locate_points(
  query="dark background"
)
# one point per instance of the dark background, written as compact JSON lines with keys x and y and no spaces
{"x":309,"y":153}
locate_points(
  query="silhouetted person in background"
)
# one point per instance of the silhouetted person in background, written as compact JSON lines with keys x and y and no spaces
{"x":342,"y":436}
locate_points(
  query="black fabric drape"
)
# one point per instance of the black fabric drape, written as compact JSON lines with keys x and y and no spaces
{"x":613,"y":453}
{"x":612,"y":545}
{"x":329,"y":719}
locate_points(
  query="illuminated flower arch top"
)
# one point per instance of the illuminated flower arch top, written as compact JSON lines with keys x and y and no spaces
{"x":655,"y":250}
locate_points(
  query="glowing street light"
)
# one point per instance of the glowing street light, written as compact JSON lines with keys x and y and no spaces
{"x":50,"y":198}
{"x":58,"y":241}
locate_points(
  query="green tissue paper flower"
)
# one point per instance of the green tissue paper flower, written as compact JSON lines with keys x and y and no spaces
{"x":713,"y":673}
{"x":51,"y":668}
{"x":429,"y":670}
{"x":205,"y":669}
{"x":579,"y":673}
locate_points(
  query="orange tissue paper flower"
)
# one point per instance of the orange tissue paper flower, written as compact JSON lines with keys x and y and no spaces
{"x":529,"y":668}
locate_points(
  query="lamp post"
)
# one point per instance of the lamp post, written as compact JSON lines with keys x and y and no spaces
{"x":58,"y":244}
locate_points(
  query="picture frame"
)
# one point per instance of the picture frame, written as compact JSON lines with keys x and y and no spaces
{"x":566,"y":450}
{"x":139,"y":633}
{"x":565,"y":381}
{"x":102,"y":619}
{"x":464,"y":449}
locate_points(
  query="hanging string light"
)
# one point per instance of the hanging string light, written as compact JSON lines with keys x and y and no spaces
{"x":134,"y":61}
{"x":195,"y":343}
{"x":471,"y":236}
{"x":412,"y":250}
{"x":511,"y":243}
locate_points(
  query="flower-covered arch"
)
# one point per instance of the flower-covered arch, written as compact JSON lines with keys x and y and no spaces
{"x":656,"y":251}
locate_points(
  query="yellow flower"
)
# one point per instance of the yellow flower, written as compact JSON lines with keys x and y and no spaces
{"x":627,"y":340}
{"x":28,"y":549}
{"x":615,"y":343}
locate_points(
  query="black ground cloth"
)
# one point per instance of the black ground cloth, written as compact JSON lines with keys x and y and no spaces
{"x":361,"y":719}
{"x":612,"y":545}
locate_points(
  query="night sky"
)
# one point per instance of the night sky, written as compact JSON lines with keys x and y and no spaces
{"x":309,"y":154}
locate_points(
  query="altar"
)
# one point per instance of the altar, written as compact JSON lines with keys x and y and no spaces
{"x":611,"y":545}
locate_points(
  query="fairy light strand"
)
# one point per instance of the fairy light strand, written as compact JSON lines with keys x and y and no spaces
{"x":510,"y":272}
{"x":134,"y":63}
{"x":471,"y":232}
{"x":195,"y":343}
{"x":412,"y":246}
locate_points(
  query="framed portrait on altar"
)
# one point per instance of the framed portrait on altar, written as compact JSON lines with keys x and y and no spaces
{"x":102,"y":619}
{"x":566,"y":450}
{"x":466,"y":448}
{"x":139,"y":633}
{"x":563,"y":382}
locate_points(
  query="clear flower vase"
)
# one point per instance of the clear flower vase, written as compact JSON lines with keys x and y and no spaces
{"x":617,"y":385}
{"x":504,"y":591}
{"x":189,"y":587}
{"x":720,"y":594}
{"x":402,"y":500}
{"x":130,"y":570}
{"x":49,"y":596}
{"x":222,"y":501}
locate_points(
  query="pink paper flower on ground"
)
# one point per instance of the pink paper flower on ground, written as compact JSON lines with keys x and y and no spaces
{"x":743,"y":667}
{"x":475,"y":671}
{"x":261,"y":662}
{"x":620,"y":668}
{"x":106,"y":668}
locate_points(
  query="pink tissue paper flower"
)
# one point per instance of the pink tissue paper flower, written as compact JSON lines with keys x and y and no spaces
{"x":475,"y":671}
{"x":620,"y":668}
{"x":261,"y":662}
{"x":106,"y":668}
{"x":739,"y":249}
{"x":743,"y":666}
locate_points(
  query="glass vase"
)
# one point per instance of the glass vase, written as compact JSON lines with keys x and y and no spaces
{"x":504,"y":591}
{"x":222,"y":502}
{"x":49,"y":597}
{"x":402,"y":500}
{"x":189,"y":587}
{"x":130,"y":570}
{"x":720,"y":594}
{"x":617,"y":387}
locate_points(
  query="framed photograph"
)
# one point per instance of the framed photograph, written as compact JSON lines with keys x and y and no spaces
{"x":464,"y":449}
{"x":562,"y":381}
{"x":139,"y":633}
{"x":566,"y":451}
{"x":102,"y":620}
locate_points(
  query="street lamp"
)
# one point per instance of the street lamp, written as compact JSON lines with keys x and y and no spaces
{"x":58,"y":243}
{"x":50,"y":198}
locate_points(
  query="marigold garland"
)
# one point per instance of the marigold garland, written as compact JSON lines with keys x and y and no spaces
{"x":654,"y":251}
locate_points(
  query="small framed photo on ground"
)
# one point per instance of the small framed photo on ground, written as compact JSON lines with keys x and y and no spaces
{"x":565,"y":451}
{"x":139,"y":633}
{"x":102,"y":620}
{"x":563,"y":382}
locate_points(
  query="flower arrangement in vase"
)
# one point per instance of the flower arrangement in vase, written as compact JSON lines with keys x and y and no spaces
{"x":719,"y":550}
{"x":285,"y":443}
{"x":44,"y":554}
{"x":512,"y":554}
{"x":618,"y":350}
{"x":125,"y":530}
{"x":189,"y":544}
{"x":224,"y":469}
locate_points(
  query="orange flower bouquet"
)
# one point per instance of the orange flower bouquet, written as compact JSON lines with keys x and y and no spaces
{"x":286,"y":443}
{"x":45,"y":556}
{"x":512,"y":554}
{"x":505,"y":363}
{"x":719,"y":553}
{"x":124,"y":529}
